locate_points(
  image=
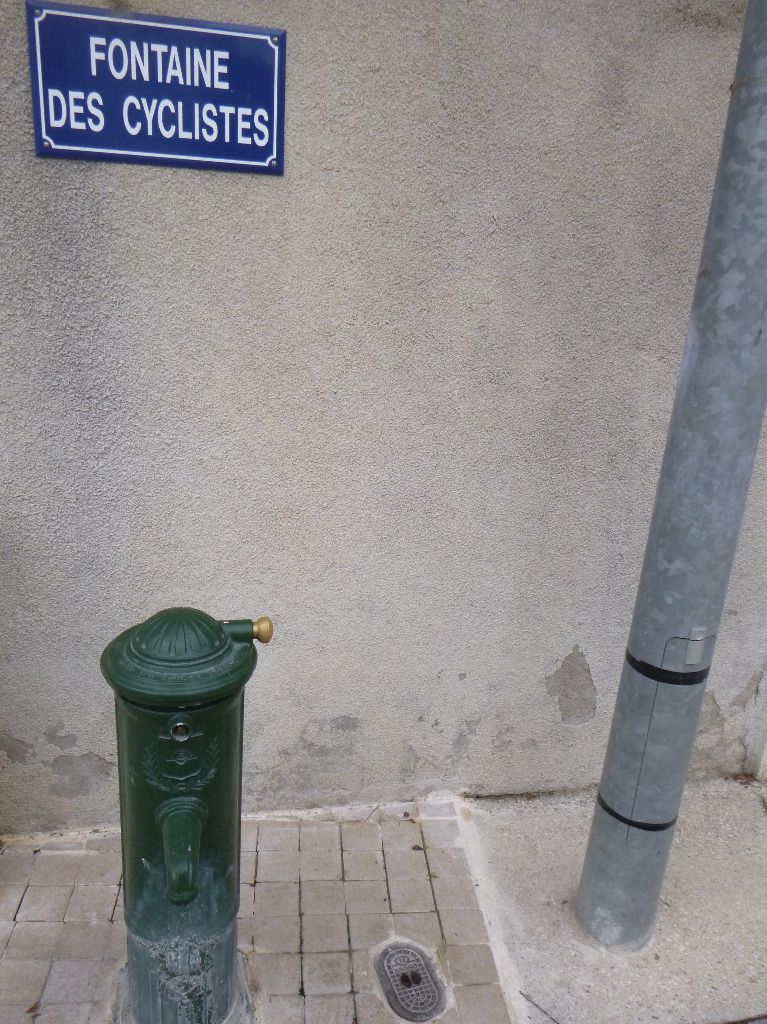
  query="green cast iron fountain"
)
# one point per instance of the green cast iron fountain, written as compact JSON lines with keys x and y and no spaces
{"x":179,"y":684}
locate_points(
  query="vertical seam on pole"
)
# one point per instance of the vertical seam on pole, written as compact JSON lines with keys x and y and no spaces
{"x":644,"y":750}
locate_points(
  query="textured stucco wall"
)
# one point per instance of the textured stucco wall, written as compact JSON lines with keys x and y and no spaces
{"x":410,"y":400}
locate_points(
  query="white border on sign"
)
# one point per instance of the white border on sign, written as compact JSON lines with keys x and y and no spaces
{"x":157,"y":24}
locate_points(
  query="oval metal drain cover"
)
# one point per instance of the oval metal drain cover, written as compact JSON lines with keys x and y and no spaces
{"x":410,"y":982}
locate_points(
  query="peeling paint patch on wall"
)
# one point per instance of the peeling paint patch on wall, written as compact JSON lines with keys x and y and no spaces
{"x":461,"y":743}
{"x":707,"y":14}
{"x":311,"y":762}
{"x":15,"y":750}
{"x":345,"y":723}
{"x":58,"y":738}
{"x":573,"y":686}
{"x":749,"y":694}
{"x":716,"y":747}
{"x":79,"y":774}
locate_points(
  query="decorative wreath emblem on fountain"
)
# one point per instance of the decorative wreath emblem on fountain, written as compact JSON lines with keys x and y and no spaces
{"x":181,"y":769}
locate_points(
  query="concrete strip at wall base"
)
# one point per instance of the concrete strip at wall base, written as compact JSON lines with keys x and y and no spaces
{"x":410,"y":400}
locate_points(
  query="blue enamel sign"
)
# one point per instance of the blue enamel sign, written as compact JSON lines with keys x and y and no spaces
{"x":112,"y":85}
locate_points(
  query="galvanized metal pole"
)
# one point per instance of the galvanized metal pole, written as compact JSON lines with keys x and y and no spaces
{"x":710,"y":450}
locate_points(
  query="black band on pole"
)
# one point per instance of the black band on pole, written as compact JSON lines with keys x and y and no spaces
{"x":646,"y":826}
{"x":665,"y":675}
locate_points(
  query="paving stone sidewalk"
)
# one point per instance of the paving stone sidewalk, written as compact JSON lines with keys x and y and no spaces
{"x":318,"y":896}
